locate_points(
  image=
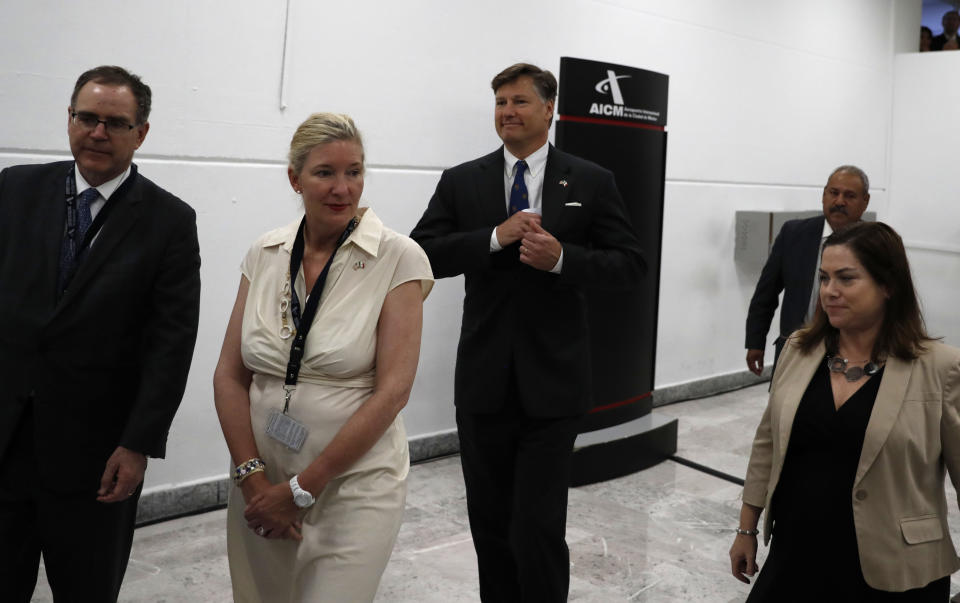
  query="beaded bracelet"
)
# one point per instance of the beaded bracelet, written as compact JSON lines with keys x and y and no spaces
{"x":248,"y":468}
{"x":743,"y":532}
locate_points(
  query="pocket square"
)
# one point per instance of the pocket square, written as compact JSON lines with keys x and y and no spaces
{"x":573,"y":204}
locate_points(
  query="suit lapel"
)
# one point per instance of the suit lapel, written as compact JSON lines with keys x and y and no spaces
{"x":554,"y":194}
{"x":886,"y":409}
{"x":809,"y":255}
{"x":53,"y":225}
{"x":492,"y":193}
{"x":792,"y":390}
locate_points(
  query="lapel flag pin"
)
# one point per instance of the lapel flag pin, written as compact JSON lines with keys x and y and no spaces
{"x":563,"y":183}
{"x":359,"y":265}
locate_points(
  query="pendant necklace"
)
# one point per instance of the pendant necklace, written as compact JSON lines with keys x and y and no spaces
{"x":836,"y":364}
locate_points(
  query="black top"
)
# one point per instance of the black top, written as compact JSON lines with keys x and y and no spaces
{"x":814,"y":551}
{"x":815,"y":487}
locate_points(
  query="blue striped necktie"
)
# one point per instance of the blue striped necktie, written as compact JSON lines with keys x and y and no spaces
{"x":518,"y":192}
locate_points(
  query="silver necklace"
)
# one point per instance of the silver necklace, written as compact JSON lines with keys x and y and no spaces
{"x":837,"y":364}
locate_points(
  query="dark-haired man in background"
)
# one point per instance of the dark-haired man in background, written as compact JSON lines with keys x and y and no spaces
{"x":794,"y":263}
{"x":99,"y":302}
{"x":530,"y":227}
{"x":948,"y":39}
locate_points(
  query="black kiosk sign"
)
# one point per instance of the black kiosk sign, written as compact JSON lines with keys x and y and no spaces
{"x":602,"y":91}
{"x":616,"y":116}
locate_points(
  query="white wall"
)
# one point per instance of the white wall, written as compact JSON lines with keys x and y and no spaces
{"x":766,"y":97}
{"x":923,"y":197}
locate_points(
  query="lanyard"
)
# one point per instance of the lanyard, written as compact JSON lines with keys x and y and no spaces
{"x":80,"y":247}
{"x":309,"y":310}
{"x":97,"y":223}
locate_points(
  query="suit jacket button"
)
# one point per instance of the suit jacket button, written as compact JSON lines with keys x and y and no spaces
{"x":861,"y":495}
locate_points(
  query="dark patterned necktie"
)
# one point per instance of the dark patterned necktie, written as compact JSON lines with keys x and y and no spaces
{"x":77,"y":227}
{"x":518,"y":192}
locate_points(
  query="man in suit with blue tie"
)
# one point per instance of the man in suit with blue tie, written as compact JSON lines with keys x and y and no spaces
{"x":99,"y":304}
{"x":795,"y":261}
{"x":530,"y":227}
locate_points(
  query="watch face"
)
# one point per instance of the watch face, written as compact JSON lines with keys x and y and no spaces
{"x":302,"y":499}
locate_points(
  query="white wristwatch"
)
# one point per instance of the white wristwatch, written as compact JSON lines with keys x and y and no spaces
{"x":301,"y":497}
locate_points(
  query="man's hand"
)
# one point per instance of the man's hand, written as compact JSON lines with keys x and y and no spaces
{"x":516,"y":226}
{"x":755,"y":361}
{"x":122,"y":475}
{"x":539,"y":249}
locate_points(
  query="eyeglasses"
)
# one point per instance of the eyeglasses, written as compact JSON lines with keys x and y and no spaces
{"x":90,"y":121}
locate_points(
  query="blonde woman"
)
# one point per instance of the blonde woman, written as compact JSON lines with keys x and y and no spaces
{"x":319,"y":357}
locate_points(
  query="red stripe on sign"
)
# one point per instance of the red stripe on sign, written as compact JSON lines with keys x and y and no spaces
{"x":621,"y":403}
{"x":610,"y":122}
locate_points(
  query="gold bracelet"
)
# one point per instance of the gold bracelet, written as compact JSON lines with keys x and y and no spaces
{"x":248,"y":474}
{"x":248,"y":468}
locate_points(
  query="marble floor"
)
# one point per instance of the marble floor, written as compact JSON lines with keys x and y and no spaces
{"x":660,"y":535}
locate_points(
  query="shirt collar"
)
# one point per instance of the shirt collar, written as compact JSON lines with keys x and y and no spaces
{"x":366,"y":235}
{"x":827,"y":229}
{"x":536,"y":161}
{"x":106,"y":189}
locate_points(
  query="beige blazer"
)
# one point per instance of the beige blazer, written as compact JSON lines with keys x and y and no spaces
{"x":898,"y":497}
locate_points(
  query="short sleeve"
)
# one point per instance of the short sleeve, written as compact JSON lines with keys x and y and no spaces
{"x":412,"y":265}
{"x":249,"y":264}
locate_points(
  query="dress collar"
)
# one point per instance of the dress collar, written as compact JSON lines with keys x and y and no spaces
{"x":366,"y":235}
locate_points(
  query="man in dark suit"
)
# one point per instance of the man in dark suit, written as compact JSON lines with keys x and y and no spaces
{"x":947,"y":40}
{"x":529,"y":227}
{"x":795,"y":261}
{"x":99,"y":302}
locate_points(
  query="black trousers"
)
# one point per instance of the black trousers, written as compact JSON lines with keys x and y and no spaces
{"x":85,"y":544}
{"x":517,"y":472}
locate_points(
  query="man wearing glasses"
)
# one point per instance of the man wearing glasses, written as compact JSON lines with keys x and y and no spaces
{"x":99,"y":302}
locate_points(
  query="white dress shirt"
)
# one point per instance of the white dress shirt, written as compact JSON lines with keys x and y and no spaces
{"x":815,"y":292}
{"x":533,"y":179}
{"x":106,"y":190}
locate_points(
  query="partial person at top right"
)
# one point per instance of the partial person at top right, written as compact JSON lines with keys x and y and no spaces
{"x":948,"y":39}
{"x":926,"y":38}
{"x":793,"y":263}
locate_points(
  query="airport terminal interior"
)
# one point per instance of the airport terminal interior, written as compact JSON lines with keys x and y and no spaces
{"x":764,"y":99}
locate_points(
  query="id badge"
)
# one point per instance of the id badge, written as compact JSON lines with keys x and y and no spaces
{"x":286,"y":430}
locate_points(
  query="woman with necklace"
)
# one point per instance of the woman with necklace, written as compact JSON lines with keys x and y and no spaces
{"x":318,"y":359}
{"x":850,"y":455}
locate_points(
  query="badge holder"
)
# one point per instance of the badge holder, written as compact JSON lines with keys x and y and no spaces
{"x":284,"y":428}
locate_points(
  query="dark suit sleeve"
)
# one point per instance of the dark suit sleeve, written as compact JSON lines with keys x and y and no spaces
{"x":611,"y":258}
{"x":451,"y":251}
{"x":169,"y":335}
{"x":766,"y":297}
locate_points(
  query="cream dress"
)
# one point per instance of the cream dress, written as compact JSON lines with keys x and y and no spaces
{"x":350,"y":531}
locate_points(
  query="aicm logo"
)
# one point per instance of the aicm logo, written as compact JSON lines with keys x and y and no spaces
{"x":611,"y":86}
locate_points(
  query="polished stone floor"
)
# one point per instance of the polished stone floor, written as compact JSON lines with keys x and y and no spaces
{"x":660,"y":535}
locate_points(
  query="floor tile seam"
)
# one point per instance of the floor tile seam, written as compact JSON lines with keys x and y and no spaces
{"x":707,"y":470}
